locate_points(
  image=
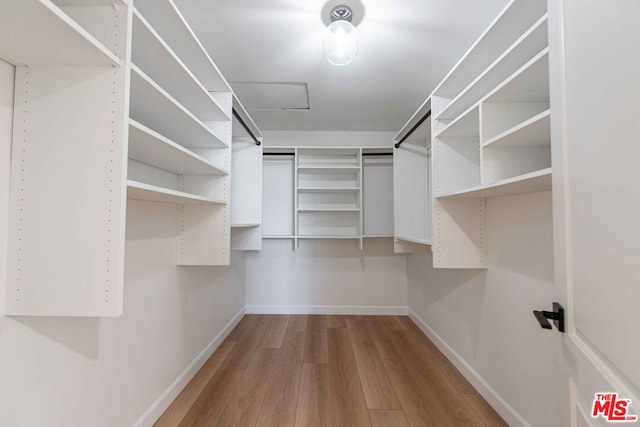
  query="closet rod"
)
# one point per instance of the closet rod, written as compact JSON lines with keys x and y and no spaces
{"x":244,"y":125}
{"x":416,"y":126}
{"x":293,"y":154}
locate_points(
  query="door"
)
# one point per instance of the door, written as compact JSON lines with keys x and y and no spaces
{"x":595,"y":89}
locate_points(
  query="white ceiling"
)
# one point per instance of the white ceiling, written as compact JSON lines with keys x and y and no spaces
{"x":406,"y":48}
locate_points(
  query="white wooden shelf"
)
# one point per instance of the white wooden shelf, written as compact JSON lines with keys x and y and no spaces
{"x":279,"y":237}
{"x":514,"y":19}
{"x":526,"y":47}
{"x":534,"y":132}
{"x":151,"y":148}
{"x":530,"y":83}
{"x":168,"y":21}
{"x":167,"y":116}
{"x":377,"y":236}
{"x":89,"y":2}
{"x":37,"y":32}
{"x":328,"y":189}
{"x":527,"y":183}
{"x":256,"y":224}
{"x":328,"y":209}
{"x":414,"y":240}
{"x":332,"y":237}
{"x":466,"y":125}
{"x":329,"y":168}
{"x":152,"y":193}
{"x":152,"y":55}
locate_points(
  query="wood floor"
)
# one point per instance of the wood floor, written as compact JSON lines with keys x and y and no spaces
{"x":328,"y":371}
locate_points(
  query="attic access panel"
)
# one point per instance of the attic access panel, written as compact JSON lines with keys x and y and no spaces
{"x":273,"y":95}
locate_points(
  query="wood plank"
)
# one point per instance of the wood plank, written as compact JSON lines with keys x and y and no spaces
{"x":314,"y":409}
{"x":281,"y":400}
{"x":384,"y":418}
{"x":484,"y":411}
{"x":461,"y":384}
{"x":336,"y":322}
{"x":176,"y":412}
{"x":316,"y":349}
{"x":393,"y":323}
{"x":243,"y":351}
{"x":348,"y":406}
{"x":245,"y":404}
{"x":298,"y":323}
{"x":423,"y":389}
{"x":207,"y":409}
{"x":378,"y":391}
{"x":274,"y":334}
{"x":243,"y":325}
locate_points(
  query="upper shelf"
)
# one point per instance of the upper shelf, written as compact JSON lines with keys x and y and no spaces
{"x":151,"y":148}
{"x":509,"y":25}
{"x":167,"y":20}
{"x":155,"y":57}
{"x":37,"y":32}
{"x":423,"y":131}
{"x":525,"y":48}
{"x":167,"y":116}
{"x":528,"y":183}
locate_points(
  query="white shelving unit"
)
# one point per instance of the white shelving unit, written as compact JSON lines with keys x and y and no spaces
{"x":328,"y":214}
{"x":132,"y":107}
{"x":490,"y":131}
{"x":412,"y":181}
{"x":246,"y":182}
{"x":334,"y":193}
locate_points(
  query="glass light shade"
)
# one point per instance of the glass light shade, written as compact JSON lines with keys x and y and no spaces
{"x":340,"y":43}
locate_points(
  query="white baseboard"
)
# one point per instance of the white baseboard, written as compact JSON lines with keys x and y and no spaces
{"x":509,"y":414}
{"x":328,"y":309}
{"x":158,"y":407}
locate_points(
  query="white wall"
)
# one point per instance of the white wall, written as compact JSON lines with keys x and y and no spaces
{"x":325,"y":276}
{"x":486,"y":317}
{"x":108,"y":372}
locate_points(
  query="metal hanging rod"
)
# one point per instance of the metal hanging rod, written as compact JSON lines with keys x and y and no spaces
{"x":413,"y":129}
{"x":244,"y":125}
{"x":292,"y":154}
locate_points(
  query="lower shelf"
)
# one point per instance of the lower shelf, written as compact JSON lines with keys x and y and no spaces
{"x":151,"y":193}
{"x":278,"y":237}
{"x":414,"y":240}
{"x":528,"y":183}
{"x":247,"y":225}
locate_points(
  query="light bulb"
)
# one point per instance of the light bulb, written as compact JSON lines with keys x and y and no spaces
{"x":340,"y":43}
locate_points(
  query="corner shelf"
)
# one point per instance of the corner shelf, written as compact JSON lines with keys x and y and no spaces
{"x":167,"y":116}
{"x":526,"y":183}
{"x":39,"y":33}
{"x":151,"y":148}
{"x":152,"y":55}
{"x":151,"y":193}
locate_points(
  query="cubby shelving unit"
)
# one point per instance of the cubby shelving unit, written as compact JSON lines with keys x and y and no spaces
{"x":132,"y":107}
{"x":490,"y":131}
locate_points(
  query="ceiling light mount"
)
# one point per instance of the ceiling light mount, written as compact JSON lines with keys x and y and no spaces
{"x":341,"y":13}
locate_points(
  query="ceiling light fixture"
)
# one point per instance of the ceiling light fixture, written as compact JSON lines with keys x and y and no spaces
{"x":340,"y":44}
